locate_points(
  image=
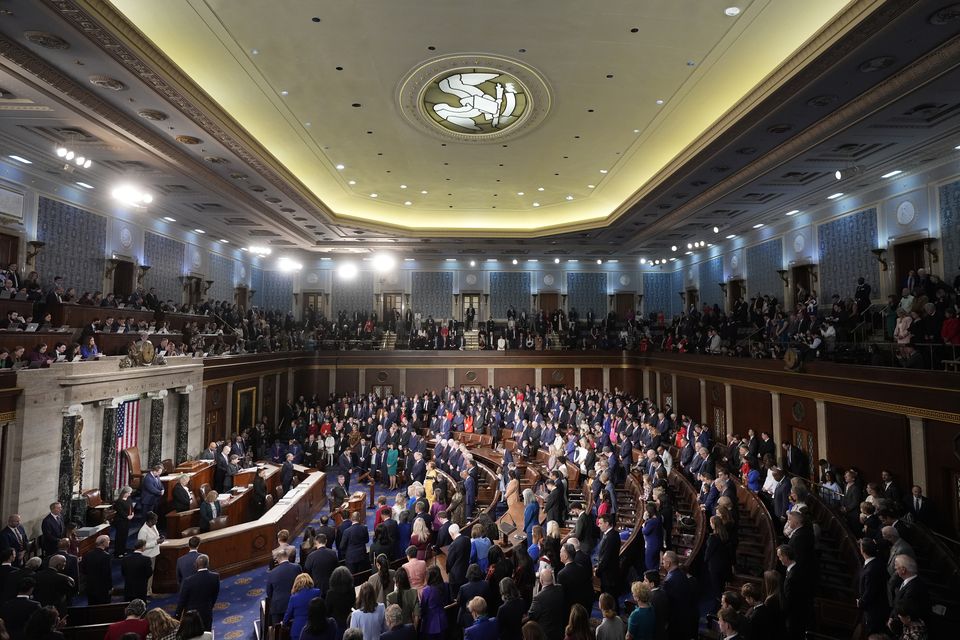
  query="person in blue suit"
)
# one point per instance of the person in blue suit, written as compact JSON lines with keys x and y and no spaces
{"x":151,"y":490}
{"x":280,"y":583}
{"x":483,"y":627}
{"x":354,"y":544}
{"x":652,"y":538}
{"x":531,"y":513}
{"x":298,"y":607}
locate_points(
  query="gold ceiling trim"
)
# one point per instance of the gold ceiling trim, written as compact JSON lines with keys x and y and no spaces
{"x":235,"y":137}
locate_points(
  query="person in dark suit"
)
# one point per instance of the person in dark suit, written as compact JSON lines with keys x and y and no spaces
{"x":718,"y":558}
{"x":474,"y":587}
{"x":443,"y":533}
{"x":222,"y":464}
{"x":136,"y":569}
{"x":553,"y":505}
{"x":121,"y":521}
{"x":354,"y":544}
{"x":53,"y":588}
{"x":585,"y":530}
{"x":418,"y":470}
{"x":608,"y":562}
{"x":469,"y":494}
{"x":7,"y":555}
{"x":681,"y":594}
{"x":547,"y":608}
{"x":286,"y":472}
{"x":575,"y":579}
{"x":483,"y":627}
{"x":659,"y":602}
{"x":14,"y":537}
{"x":872,"y":597}
{"x":200,"y":591}
{"x":52,"y":529}
{"x":187,"y":563}
{"x":458,"y":558}
{"x":326,"y":530}
{"x":920,"y":507}
{"x":396,"y":629}
{"x":797,"y":595}
{"x":511,"y":612}
{"x":209,"y":511}
{"x":781,"y":495}
{"x":795,"y":461}
{"x":803,"y":542}
{"x":280,"y":583}
{"x":259,"y":501}
{"x":18,"y":610}
{"x":320,"y":564}
{"x":911,"y":593}
{"x":151,"y":490}
{"x":338,"y":495}
{"x":99,"y":574}
{"x":181,"y":494}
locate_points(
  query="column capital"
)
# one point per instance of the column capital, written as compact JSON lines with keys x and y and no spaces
{"x":72,"y":410}
{"x":111,"y":403}
{"x":187,"y":388}
{"x":157,"y":395}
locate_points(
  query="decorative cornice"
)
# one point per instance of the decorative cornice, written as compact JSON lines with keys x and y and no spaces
{"x":8,"y":416}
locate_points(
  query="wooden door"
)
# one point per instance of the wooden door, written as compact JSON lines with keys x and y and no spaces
{"x":734,"y":292}
{"x":123,"y":279}
{"x":908,"y":256}
{"x":806,"y":441}
{"x":549,"y":302}
{"x":312,"y":302}
{"x":391,"y":302}
{"x":9,"y":250}
{"x":799,"y":277}
{"x":692,"y":299}
{"x":468,"y":300}
{"x":624,"y":303}
{"x":241,"y":297}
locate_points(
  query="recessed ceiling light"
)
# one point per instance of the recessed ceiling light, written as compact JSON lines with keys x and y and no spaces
{"x":636,"y":130}
{"x":957,"y":147}
{"x":169,"y":219}
{"x":340,"y":167}
{"x":403,"y":186}
{"x":689,"y":246}
{"x":793,"y":213}
{"x":408,"y":259}
{"x":659,"y":101}
{"x":716,"y":229}
{"x":351,"y":182}
{"x":599,"y":261}
{"x":673,"y":259}
{"x":373,"y":195}
{"x":347,"y":271}
{"x":473,"y":263}
{"x":84,"y":185}
{"x":689,"y":253}
{"x":643,"y":261}
{"x":533,"y":259}
{"x":424,"y":192}
{"x":407,"y":203}
{"x":536,"y":204}
{"x":492,"y":260}
{"x":224,"y":241}
{"x":603,"y":170}
{"x":758,"y":225}
{"x":732,"y":11}
{"x":284,"y":93}
{"x":519,"y":193}
{"x":890,"y":174}
{"x":731,"y":236}
{"x":451,"y":259}
{"x":835,"y":196}
{"x":254,"y":51}
{"x":591,"y":186}
{"x":20,"y":159}
{"x":200,"y":231}
{"x":674,"y":248}
{"x":556,"y":261}
{"x":514,"y":261}
{"x":306,"y":124}
{"x":573,"y":260}
{"x":568,"y":198}
{"x":541,"y":188}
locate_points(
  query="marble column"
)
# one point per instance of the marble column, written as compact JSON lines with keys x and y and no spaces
{"x":775,"y":418}
{"x":918,"y":451}
{"x":182,"y":437}
{"x":71,"y":417}
{"x":155,"y":446}
{"x":108,"y":455}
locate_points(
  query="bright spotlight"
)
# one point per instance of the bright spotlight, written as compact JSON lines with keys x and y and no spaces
{"x":384,"y":262}
{"x":288,"y":265}
{"x":347,"y":271}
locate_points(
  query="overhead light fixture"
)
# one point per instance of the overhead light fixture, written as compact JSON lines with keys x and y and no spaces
{"x":200,"y":231}
{"x":423,"y":192}
{"x":383,"y":262}
{"x":689,"y":246}
{"x":288,"y":265}
{"x":409,"y":259}
{"x":84,"y":185}
{"x":793,"y":213}
{"x":132,"y":195}
{"x":347,"y":271}
{"x":716,"y":229}
{"x":599,"y":261}
{"x":20,"y":159}
{"x":536,"y":204}
{"x":473,"y":263}
{"x":643,"y":261}
{"x":541,"y":188}
{"x":689,"y":253}
{"x":591,"y":186}
{"x":556,"y":261}
{"x":259,"y":250}
{"x":519,"y":193}
{"x":533,"y":260}
{"x":732,"y":12}
{"x":890,"y":174}
{"x":224,"y":241}
{"x":573,"y":260}
{"x":835,"y":196}
{"x":407,"y":203}
{"x":514,"y":261}
{"x":847,"y":172}
{"x":731,"y":236}
{"x":169,"y":219}
{"x":284,"y":93}
{"x":674,"y":248}
{"x":569,"y":198}
{"x":659,"y":102}
{"x":758,"y":225}
{"x":373,"y":195}
{"x":451,"y":259}
{"x":603,"y":171}
{"x":70,"y":155}
{"x":351,"y":182}
{"x":492,"y":260}
{"x":403,"y":186}
{"x":340,"y":167}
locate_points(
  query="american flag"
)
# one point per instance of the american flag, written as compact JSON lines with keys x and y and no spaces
{"x":128,"y":431}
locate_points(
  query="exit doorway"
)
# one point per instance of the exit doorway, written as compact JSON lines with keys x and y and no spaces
{"x":908,"y":256}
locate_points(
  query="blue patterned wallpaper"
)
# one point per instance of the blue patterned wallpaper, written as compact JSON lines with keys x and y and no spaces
{"x":277,"y":291}
{"x":586,"y":291}
{"x":656,"y":293}
{"x":845,"y":246}
{"x":431,"y":293}
{"x":256,"y":285}
{"x":221,"y":272}
{"x":165,"y":257}
{"x":76,"y":243}
{"x":352,"y":295}
{"x":950,"y":227}
{"x":711,"y":272}
{"x":676,"y":286}
{"x":763,"y":261}
{"x":509,"y":288}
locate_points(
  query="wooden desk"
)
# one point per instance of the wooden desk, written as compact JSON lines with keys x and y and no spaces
{"x":244,"y":546}
{"x":200,"y":472}
{"x":22,"y":307}
{"x":178,"y":521}
{"x":89,"y":542}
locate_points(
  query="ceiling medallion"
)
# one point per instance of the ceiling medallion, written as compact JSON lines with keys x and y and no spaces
{"x":106,"y":82}
{"x":46,"y":40}
{"x":876,"y":64}
{"x":474,"y":98}
{"x":152,"y":114}
{"x":188,"y":140}
{"x":946,"y":15}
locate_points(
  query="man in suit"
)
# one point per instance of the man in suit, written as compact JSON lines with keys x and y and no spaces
{"x":210,"y":453}
{"x":210,"y":510}
{"x":338,"y":495}
{"x":354,"y":544}
{"x":99,"y":574}
{"x":470,"y":494}
{"x":181,"y":494}
{"x":327,"y":531}
{"x":458,"y":558}
{"x":286,"y":472}
{"x":54,"y":588}
{"x":659,"y":602}
{"x":187,"y":563}
{"x":151,"y":490}
{"x":200,"y":592}
{"x":795,"y":461}
{"x":547,"y":608}
{"x":396,"y":629}
{"x":18,"y":610}
{"x":803,"y":542}
{"x":872,"y":598}
{"x":781,"y":495}
{"x":280,"y":582}
{"x":136,"y":569}
{"x":484,"y":627}
{"x":14,"y":537}
{"x":259,"y":502}
{"x":320,"y":564}
{"x":7,"y":569}
{"x":575,"y":579}
{"x":911,"y":593}
{"x":585,"y":530}
{"x":920,"y":507}
{"x":797,"y":594}
{"x":553,"y":505}
{"x":608,"y":562}
{"x":681,"y":592}
{"x":222,"y":468}
{"x":52,"y":529}
{"x":418,"y":470}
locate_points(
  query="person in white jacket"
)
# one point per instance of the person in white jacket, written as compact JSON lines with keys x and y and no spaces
{"x":151,"y":536}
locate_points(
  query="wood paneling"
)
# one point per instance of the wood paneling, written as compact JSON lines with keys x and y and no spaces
{"x":688,"y":398}
{"x":348,"y":380}
{"x":869,"y":441}
{"x":515,"y":377}
{"x":943,"y":465}
{"x":420,"y":380}
{"x":796,"y":412}
{"x":268,"y":399}
{"x":557,"y":376}
{"x":616,"y":379}
{"x":591,"y":378}
{"x":752,"y":409}
{"x":666,"y":388}
{"x":632,"y":381}
{"x":717,"y":410}
{"x":473,"y":376}
{"x":215,"y":412}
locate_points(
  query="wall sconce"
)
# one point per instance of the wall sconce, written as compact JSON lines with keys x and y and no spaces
{"x":34,"y":251}
{"x":209,"y":284}
{"x":142,"y":272}
{"x":783,"y":276}
{"x":878,"y":254}
{"x":723,"y":287}
{"x":932,"y":252}
{"x":112,"y":264}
